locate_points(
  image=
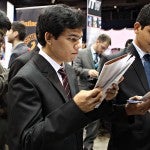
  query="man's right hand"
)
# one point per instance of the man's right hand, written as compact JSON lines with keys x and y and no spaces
{"x":93,"y":73}
{"x":87,"y":100}
{"x":138,"y":108}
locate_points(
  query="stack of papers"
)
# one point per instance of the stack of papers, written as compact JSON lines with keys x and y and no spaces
{"x":113,"y":70}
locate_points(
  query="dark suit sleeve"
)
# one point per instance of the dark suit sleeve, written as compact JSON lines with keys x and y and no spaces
{"x":3,"y":80}
{"x":14,"y":68}
{"x":29,"y":127}
{"x":3,"y":91}
{"x":12,"y":58}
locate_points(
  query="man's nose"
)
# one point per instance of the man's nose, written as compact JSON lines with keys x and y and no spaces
{"x":78,"y":45}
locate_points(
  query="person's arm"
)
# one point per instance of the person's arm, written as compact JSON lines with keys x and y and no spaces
{"x":3,"y":80}
{"x":14,"y":68}
{"x":79,"y":68}
{"x":12,"y":58}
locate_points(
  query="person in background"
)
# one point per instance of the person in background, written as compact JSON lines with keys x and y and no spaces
{"x":86,"y":67}
{"x":16,"y":36}
{"x":134,"y":133}
{"x":5,"y":25}
{"x":47,"y":110}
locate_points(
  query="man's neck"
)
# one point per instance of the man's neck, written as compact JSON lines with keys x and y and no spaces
{"x":15,"y":43}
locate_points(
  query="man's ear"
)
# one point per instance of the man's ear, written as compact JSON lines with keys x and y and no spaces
{"x":48,"y":38}
{"x":15,"y":33}
{"x":137,"y":27}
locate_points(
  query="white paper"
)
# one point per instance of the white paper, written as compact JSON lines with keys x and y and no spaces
{"x":112,"y":71}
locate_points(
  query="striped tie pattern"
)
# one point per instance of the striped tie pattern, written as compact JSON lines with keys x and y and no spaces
{"x":65,"y":82}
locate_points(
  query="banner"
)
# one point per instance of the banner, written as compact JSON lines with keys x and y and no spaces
{"x":93,"y":20}
{"x":28,"y":16}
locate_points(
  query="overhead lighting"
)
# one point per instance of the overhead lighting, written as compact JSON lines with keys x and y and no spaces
{"x":115,"y":7}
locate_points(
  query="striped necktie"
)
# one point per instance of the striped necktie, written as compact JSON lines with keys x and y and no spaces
{"x":66,"y":86}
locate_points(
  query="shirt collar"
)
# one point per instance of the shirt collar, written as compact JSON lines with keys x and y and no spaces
{"x":54,"y":64}
{"x":92,"y":50}
{"x":140,"y":52}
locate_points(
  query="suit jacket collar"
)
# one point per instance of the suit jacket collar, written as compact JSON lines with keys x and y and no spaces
{"x":19,"y":45}
{"x":49,"y":72}
{"x":138,"y":67}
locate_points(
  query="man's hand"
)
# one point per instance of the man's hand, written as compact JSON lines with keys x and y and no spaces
{"x":93,"y":73}
{"x":112,"y":92}
{"x":138,"y":108}
{"x":87,"y":100}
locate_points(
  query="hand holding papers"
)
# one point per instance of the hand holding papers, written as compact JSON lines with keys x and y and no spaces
{"x":113,"y":70}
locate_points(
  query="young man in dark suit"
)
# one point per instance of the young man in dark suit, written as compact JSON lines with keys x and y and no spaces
{"x":16,"y":36}
{"x":46,"y":112}
{"x":134,"y":133}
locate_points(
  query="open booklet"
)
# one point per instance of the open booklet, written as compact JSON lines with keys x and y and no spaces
{"x":113,"y":70}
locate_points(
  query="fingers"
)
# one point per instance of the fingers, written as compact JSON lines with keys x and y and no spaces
{"x":112,"y":92}
{"x":93,"y":73}
{"x":121,"y":79}
{"x":144,"y":106}
{"x":95,"y":98}
{"x":96,"y":92}
{"x":138,"y":108}
{"x":87,"y":100}
{"x":136,"y":97}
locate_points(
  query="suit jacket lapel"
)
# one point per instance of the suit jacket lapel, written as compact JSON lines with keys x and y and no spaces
{"x":137,"y":65}
{"x":48,"y":71}
{"x":90,"y":58}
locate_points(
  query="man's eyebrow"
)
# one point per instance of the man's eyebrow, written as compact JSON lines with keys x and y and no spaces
{"x":75,"y":35}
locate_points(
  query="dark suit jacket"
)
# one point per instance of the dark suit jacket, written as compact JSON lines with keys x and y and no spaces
{"x":82,"y":64}
{"x":20,"y":61}
{"x":3,"y":90}
{"x":40,"y":115}
{"x":17,"y":51}
{"x":135,"y":133}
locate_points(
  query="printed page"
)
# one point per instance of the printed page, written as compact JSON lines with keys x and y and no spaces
{"x":113,"y":70}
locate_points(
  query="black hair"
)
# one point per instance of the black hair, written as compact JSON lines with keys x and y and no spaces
{"x":20,"y":28}
{"x":4,"y":21}
{"x":144,"y":16}
{"x":56,"y":18}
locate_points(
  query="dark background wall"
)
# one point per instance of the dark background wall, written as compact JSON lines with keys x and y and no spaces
{"x":116,"y":14}
{"x":3,"y":5}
